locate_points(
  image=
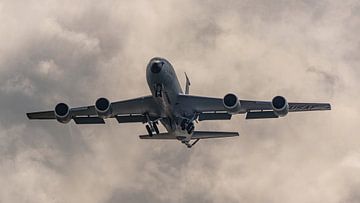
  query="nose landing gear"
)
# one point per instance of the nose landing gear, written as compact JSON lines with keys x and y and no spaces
{"x":158,"y":90}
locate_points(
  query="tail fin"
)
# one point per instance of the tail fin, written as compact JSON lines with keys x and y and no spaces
{"x":187,"y":88}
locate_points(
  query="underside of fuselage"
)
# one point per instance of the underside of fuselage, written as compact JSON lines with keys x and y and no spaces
{"x":165,"y":88}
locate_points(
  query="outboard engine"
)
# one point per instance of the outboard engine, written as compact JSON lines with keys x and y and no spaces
{"x":62,"y":113}
{"x":232,"y":103}
{"x":103,"y":108}
{"x":280,"y":106}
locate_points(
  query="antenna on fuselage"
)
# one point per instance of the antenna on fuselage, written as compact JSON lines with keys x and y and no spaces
{"x":187,"y":87}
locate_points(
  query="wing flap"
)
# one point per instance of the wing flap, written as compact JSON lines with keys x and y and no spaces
{"x":214,"y":116}
{"x":41,"y":115}
{"x":261,"y":115}
{"x":89,"y":120}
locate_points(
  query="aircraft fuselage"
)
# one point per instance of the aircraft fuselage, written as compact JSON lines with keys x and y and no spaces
{"x":165,"y":88}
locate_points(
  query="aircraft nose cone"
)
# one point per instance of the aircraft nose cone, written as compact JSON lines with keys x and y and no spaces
{"x":156,"y":66}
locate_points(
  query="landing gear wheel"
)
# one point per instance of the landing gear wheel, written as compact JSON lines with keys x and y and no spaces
{"x":149,"y":130}
{"x":156,"y":128}
{"x":190,"y":128}
{"x":183,"y":123}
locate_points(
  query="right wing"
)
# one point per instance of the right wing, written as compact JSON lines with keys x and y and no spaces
{"x":210,"y":108}
{"x":132,"y":110}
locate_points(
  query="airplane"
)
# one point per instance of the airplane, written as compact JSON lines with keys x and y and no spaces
{"x":176,"y":110}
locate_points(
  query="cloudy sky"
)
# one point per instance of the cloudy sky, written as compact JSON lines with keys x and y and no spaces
{"x":76,"y":51}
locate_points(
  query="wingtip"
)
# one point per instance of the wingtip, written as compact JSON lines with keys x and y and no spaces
{"x":28,"y":115}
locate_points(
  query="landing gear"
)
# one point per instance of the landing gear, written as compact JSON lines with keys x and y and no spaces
{"x":183,"y":124}
{"x":188,"y":126}
{"x":152,"y":128}
{"x":149,"y":130}
{"x":156,"y":128}
{"x":158,"y":90}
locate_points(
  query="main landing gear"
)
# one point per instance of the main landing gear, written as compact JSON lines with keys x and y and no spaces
{"x":188,"y":126}
{"x":152,"y":128}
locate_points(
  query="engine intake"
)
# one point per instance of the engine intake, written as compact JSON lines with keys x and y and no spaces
{"x":232,"y":103}
{"x":62,"y":113}
{"x":280,"y":106}
{"x":103,"y":108}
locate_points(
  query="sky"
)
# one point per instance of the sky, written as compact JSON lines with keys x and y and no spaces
{"x":77,"y":51}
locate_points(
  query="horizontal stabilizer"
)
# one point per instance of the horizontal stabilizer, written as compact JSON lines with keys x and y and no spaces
{"x":261,"y":115}
{"x":212,"y":134}
{"x":134,"y":119}
{"x":161,"y":136}
{"x":89,"y":120}
{"x":187,"y":87}
{"x":196,"y":135}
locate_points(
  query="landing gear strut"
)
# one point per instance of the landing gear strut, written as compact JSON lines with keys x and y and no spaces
{"x":156,"y":128}
{"x":150,"y":132}
{"x":188,"y":126}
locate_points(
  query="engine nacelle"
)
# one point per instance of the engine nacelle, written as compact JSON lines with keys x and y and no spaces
{"x":103,"y":108}
{"x":62,"y":113}
{"x":280,"y":106}
{"x":232,"y":103}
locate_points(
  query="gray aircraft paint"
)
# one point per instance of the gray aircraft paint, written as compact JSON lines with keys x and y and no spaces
{"x":167,"y":78}
{"x":174,"y":109}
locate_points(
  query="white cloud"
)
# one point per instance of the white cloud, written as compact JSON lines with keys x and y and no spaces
{"x":77,"y":51}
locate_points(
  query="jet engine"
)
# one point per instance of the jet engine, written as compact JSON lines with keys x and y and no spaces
{"x":280,"y":106}
{"x":232,"y":103}
{"x":103,"y":108}
{"x":62,"y":113}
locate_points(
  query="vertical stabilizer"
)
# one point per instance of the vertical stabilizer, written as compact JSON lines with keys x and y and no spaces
{"x":187,"y":88}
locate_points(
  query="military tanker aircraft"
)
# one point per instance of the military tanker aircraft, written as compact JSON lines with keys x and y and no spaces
{"x":175,"y":109}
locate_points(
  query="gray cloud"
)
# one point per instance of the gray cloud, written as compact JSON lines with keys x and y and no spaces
{"x":77,"y":51}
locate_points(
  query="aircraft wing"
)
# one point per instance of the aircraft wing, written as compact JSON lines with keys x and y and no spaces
{"x":125,"y":111}
{"x":213,"y":108}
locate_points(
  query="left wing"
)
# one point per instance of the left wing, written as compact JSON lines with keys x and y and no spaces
{"x":214,"y":107}
{"x":132,"y":110}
